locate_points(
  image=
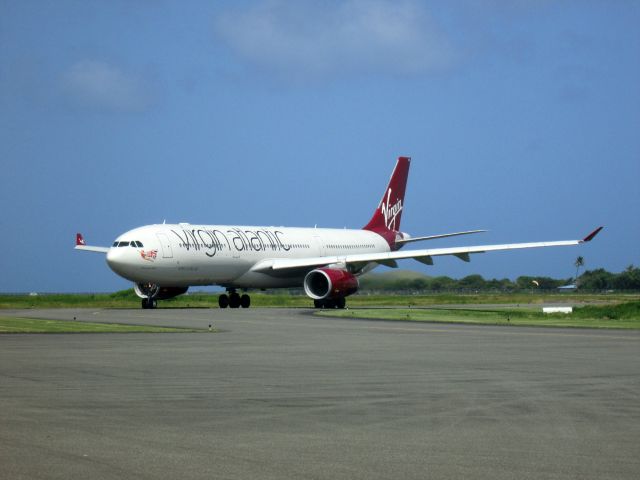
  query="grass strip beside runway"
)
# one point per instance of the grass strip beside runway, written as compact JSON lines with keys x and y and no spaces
{"x":128,"y":299}
{"x":626,"y":316}
{"x":30,"y":325}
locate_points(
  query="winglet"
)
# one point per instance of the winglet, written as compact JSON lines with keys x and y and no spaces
{"x":79,"y":239}
{"x":591,"y":236}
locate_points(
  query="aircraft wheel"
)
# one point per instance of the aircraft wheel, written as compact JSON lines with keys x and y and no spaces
{"x":149,"y":303}
{"x":341,"y":302}
{"x":223,"y":301}
{"x":234,"y":300}
{"x":329,"y":303}
{"x":245,"y":301}
{"x":318,"y":304}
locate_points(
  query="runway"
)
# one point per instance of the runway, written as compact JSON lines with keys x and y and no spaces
{"x":281,"y":394}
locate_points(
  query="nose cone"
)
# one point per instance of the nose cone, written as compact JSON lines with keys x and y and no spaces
{"x":121,"y":261}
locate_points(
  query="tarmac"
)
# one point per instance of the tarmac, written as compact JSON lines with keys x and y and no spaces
{"x":281,"y":394}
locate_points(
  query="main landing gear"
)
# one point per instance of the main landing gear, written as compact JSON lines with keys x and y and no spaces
{"x":234,"y":300}
{"x":339,"y":302}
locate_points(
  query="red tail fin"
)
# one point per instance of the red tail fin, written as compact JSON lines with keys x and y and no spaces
{"x":389,"y":212}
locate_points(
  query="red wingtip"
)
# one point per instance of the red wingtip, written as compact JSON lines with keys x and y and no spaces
{"x":590,"y":237}
{"x":79,"y":239}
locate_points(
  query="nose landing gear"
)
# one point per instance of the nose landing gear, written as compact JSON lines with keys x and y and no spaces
{"x":149,"y":303}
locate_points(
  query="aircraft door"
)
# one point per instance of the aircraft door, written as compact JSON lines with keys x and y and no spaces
{"x":165,"y":244}
{"x":319,"y":246}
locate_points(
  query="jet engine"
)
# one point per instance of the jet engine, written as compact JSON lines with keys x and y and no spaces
{"x":323,"y":283}
{"x":156,"y":292}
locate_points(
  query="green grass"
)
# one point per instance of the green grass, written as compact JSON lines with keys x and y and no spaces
{"x":127,"y":299}
{"x":523,"y":298}
{"x":612,"y":310}
{"x":626,"y":315}
{"x":30,"y":325}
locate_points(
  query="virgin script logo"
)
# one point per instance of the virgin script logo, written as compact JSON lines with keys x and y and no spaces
{"x":390,"y":212}
{"x":149,"y":255}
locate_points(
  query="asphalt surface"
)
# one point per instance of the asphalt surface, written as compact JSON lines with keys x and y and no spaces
{"x":280,"y":394}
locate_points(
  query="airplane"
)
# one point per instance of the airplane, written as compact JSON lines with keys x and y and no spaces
{"x":163,"y":261}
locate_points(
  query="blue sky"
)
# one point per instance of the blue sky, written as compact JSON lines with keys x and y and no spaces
{"x":522,"y":117}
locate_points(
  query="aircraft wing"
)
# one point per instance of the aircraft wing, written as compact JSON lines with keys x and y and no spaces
{"x":424,"y":256}
{"x":81,"y":245}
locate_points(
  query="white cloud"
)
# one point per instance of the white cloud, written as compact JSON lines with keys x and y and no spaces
{"x":99,"y":85}
{"x":355,"y":36}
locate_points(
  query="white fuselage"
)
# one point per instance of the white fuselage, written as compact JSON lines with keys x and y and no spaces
{"x":184,"y":255}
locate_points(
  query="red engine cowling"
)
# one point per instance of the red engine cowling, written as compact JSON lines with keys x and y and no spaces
{"x":156,"y":292}
{"x":324,"y":283}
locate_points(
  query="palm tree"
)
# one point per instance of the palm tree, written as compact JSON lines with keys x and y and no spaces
{"x":578,"y":263}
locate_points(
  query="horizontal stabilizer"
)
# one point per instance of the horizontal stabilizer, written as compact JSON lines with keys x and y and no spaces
{"x":433,"y":237}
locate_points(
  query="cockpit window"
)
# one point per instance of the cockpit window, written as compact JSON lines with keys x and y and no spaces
{"x":137,"y":243}
{"x":115,"y":244}
{"x":123,"y":244}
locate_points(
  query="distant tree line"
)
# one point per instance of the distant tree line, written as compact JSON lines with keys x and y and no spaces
{"x":598,"y":279}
